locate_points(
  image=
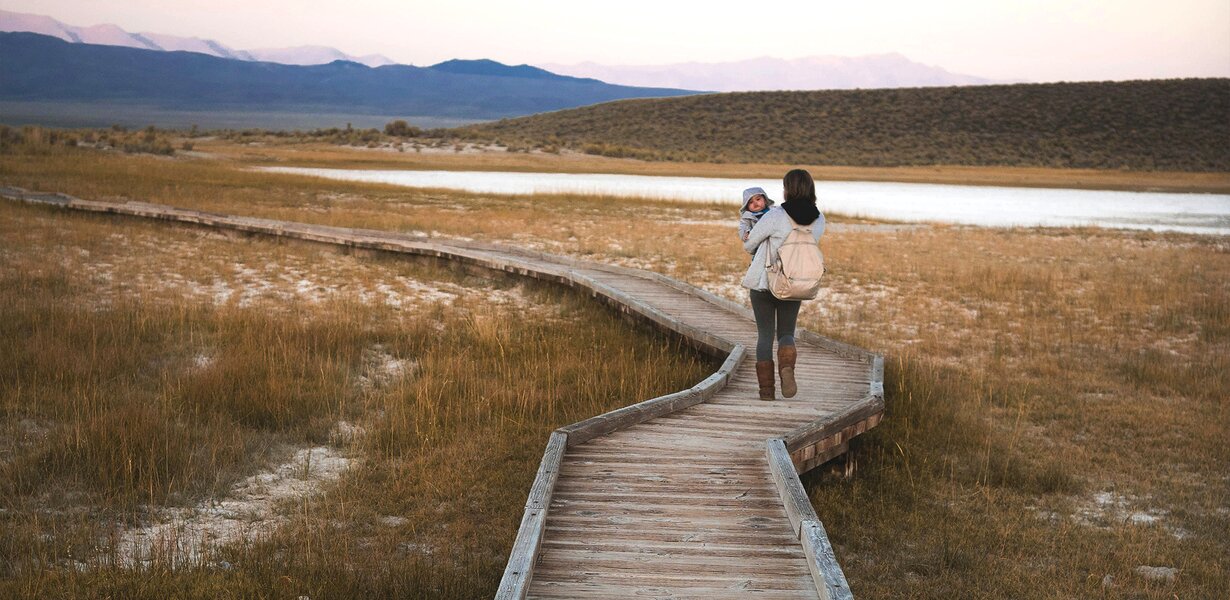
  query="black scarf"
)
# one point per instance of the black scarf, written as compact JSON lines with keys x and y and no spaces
{"x":802,"y":211}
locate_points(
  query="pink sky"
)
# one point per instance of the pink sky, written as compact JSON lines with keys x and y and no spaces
{"x":1041,"y":40}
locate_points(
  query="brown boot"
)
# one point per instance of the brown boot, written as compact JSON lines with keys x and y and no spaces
{"x":785,"y":362}
{"x":764,"y":376}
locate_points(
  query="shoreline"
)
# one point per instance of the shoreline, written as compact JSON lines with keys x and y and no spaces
{"x":325,"y":156}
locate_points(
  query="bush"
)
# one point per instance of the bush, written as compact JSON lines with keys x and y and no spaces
{"x":400,"y":128}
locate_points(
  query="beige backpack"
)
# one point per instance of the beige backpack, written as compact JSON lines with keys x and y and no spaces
{"x":795,"y":275}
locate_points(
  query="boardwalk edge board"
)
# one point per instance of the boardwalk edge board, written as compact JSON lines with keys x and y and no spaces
{"x":798,"y":451}
{"x":621,"y":418}
{"x":826,"y":572}
{"x":517,"y":573}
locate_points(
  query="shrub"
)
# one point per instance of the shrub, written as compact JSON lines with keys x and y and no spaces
{"x":400,"y":128}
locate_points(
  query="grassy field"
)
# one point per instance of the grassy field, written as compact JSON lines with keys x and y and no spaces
{"x":149,"y":372}
{"x":1056,"y":397}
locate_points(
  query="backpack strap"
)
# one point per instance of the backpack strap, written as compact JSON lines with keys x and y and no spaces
{"x":795,"y":225}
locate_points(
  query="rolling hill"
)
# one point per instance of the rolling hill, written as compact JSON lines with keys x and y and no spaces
{"x":1179,"y":125}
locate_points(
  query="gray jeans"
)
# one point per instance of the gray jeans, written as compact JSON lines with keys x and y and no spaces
{"x":771,"y":314}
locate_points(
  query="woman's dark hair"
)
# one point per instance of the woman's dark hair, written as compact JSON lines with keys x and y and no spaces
{"x":799,"y":186}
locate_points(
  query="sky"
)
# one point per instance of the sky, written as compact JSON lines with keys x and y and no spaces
{"x":1025,"y":40}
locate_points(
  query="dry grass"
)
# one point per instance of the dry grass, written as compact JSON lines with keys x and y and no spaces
{"x":1057,"y":408}
{"x":1056,"y":396}
{"x":131,"y":384}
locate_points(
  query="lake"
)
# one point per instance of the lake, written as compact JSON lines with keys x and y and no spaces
{"x":912,"y":202}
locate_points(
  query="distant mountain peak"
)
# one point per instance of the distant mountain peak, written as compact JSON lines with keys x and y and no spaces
{"x":766,"y":73}
{"x":347,"y":64}
{"x":488,"y":67}
{"x":109,"y":76}
{"x":113,"y":35}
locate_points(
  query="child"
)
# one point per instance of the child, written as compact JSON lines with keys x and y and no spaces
{"x":755,"y":204}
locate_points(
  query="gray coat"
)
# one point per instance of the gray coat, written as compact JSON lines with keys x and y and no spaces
{"x":767,"y":236}
{"x":747,"y":220}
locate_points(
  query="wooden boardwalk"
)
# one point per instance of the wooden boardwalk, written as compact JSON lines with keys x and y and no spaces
{"x":694,"y":494}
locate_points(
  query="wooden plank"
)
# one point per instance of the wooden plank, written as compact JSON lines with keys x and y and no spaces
{"x":548,"y":472}
{"x":515,"y":583}
{"x":650,"y":454}
{"x":798,"y":579}
{"x":657,"y":509}
{"x":653,"y":456}
{"x":713,"y":430}
{"x":831,"y":424}
{"x":585,"y":591}
{"x":583,"y":562}
{"x":830,"y":579}
{"x":734,"y":492}
{"x":585,"y":566}
{"x":700,"y":536}
{"x":520,"y":568}
{"x":571,"y":587}
{"x":794,"y":499}
{"x":770,"y":547}
{"x":669,"y":476}
{"x":717,"y":498}
{"x":707,"y":448}
{"x":824,"y":399}
{"x":775,"y":423}
{"x":597,"y":465}
{"x":760,"y":409}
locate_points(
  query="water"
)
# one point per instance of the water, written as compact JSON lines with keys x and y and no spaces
{"x":914,"y":202}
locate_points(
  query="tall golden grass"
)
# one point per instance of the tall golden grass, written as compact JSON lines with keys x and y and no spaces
{"x":1056,"y":413}
{"x":108,"y":415}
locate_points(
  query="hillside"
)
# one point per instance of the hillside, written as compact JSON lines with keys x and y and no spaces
{"x":46,"y":69}
{"x":1181,"y":125}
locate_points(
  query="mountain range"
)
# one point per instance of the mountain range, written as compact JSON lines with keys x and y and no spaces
{"x":113,"y":35}
{"x":43,"y":69}
{"x":757,"y":74}
{"x":772,"y":74}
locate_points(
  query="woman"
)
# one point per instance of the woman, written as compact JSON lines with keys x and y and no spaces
{"x":775,"y":316}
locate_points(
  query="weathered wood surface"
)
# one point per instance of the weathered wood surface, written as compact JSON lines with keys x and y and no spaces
{"x":830,"y":581}
{"x":692,"y":494}
{"x":520,"y":568}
